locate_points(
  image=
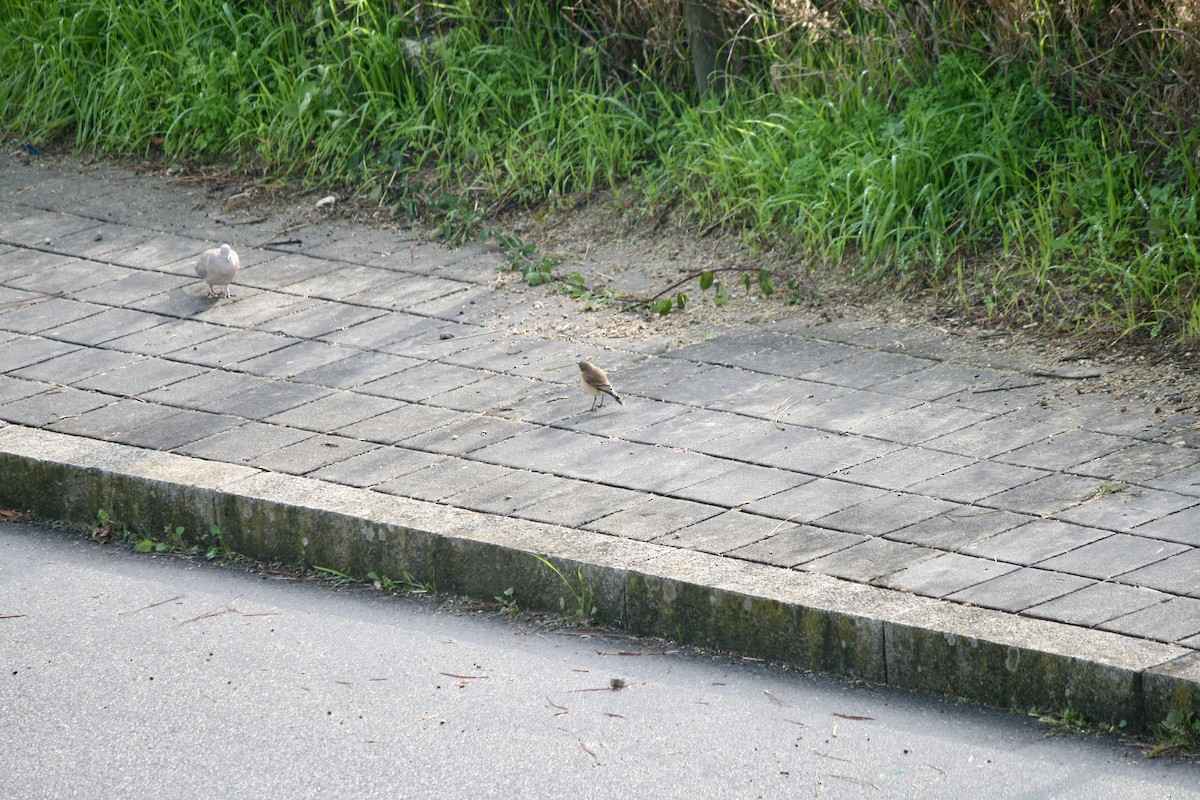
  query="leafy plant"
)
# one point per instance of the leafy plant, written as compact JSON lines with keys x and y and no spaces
{"x":581,"y":592}
{"x":1178,"y":734}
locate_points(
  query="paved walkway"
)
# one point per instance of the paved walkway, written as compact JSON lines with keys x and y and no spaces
{"x":368,"y":359}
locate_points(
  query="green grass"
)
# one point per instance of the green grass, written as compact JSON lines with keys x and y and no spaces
{"x":979,"y":181}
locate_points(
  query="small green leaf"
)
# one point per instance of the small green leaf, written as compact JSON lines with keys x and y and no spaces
{"x":721,"y":295}
{"x":746,"y":281}
{"x":681,"y":301}
{"x":662,"y":306}
{"x":706,"y":280}
{"x":764,"y":282}
{"x":145,"y":545}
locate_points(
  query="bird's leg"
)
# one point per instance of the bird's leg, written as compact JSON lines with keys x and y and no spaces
{"x":593,"y":408}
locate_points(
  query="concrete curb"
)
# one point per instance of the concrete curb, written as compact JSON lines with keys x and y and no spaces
{"x":807,"y":620}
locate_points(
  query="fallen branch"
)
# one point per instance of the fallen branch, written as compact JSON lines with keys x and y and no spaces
{"x":152,"y":605}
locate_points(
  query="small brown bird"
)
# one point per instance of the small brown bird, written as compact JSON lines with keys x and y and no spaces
{"x":217,"y":267}
{"x":595,"y":382}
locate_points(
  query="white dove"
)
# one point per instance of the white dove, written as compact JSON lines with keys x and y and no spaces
{"x":217,"y":267}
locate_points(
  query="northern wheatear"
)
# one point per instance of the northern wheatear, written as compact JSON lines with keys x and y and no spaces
{"x":595,"y":382}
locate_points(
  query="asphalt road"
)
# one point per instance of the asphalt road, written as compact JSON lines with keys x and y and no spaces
{"x":127,"y":675}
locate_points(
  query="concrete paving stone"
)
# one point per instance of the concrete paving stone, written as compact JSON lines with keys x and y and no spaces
{"x":25,"y":263}
{"x":1182,"y":526}
{"x":293,"y":359}
{"x":376,"y":466}
{"x":558,"y":406}
{"x":390,"y":333}
{"x":436,"y":341}
{"x":360,"y":245}
{"x":188,"y":302}
{"x":721,"y":534}
{"x":1045,"y":496}
{"x":333,"y":411}
{"x":43,"y":409}
{"x":405,"y":422}
{"x":625,"y":464}
{"x":796,"y":544}
{"x":581,"y":504}
{"x":231,"y":348}
{"x":138,"y":285}
{"x":406,"y":292}
{"x":17,"y":389}
{"x":468,"y":434}
{"x":870,"y":560}
{"x":1172,"y":621}
{"x":662,"y":472}
{"x":813,"y":500}
{"x":1178,"y":574}
{"x":140,"y":376}
{"x":443,"y":479}
{"x":311,"y":454}
{"x":655,"y":373}
{"x":1000,"y":434}
{"x":76,"y":365}
{"x":937,"y":380}
{"x":472,"y":263}
{"x":161,"y":249}
{"x":508,"y":494}
{"x":527,"y":356}
{"x":1181,"y":481}
{"x":904,"y":467}
{"x":866,"y":368}
{"x":777,"y":400}
{"x":25,"y":351}
{"x":1127,"y":508}
{"x":945,"y":574}
{"x":422,"y":381}
{"x":1020,"y":589}
{"x":171,"y":336}
{"x":69,"y":276}
{"x":41,"y":228}
{"x":741,"y":485}
{"x":978,"y":480}
{"x":653,"y":518}
{"x":342,"y":280}
{"x":253,"y":309}
{"x":1034,"y":542}
{"x":958,"y":529}
{"x":848,"y":411}
{"x":1113,"y":555}
{"x":243,"y":444}
{"x":107,"y":238}
{"x":471,"y":303}
{"x":615,"y":421}
{"x":691,"y":427}
{"x":113,"y":421}
{"x":887,"y":513}
{"x":112,"y":323}
{"x":281,"y":271}
{"x":245,"y":396}
{"x":1145,"y":462}
{"x":47,"y":314}
{"x":1094,"y":605}
{"x":716,"y":387}
{"x":179,"y":429}
{"x":1125,"y":420}
{"x":1065,"y":450}
{"x":921,"y":423}
{"x":357,"y":369}
{"x":800,"y":450}
{"x":318,"y":318}
{"x":770,"y":352}
{"x":488,"y":394}
{"x":1005,"y":394}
